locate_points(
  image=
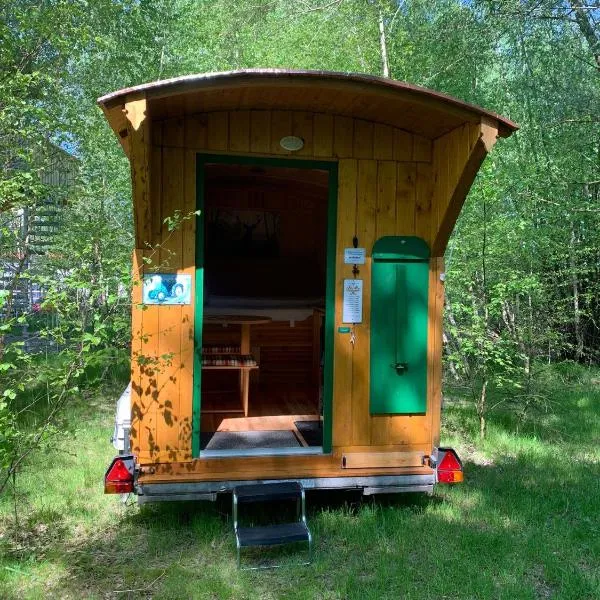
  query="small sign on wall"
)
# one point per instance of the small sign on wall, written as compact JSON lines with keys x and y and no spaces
{"x":353,"y":301}
{"x":354,"y":256}
{"x":167,"y":288}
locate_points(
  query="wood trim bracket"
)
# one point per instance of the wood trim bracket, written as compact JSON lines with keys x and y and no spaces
{"x":139,"y":136}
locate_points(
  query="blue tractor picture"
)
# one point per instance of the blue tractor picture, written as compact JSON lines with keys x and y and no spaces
{"x":165,"y":289}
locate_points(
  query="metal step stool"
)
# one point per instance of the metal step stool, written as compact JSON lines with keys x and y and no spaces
{"x":271,"y":535}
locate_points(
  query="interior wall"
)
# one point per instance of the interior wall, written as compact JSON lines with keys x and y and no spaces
{"x":286,"y":224}
{"x":386,"y":187}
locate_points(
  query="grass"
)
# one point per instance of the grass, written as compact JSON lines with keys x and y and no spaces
{"x":525,"y":524}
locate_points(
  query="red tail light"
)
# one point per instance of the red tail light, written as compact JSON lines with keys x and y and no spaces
{"x":449,"y":468}
{"x":119,"y":476}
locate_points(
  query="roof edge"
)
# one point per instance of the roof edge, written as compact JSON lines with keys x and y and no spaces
{"x":186,"y":83}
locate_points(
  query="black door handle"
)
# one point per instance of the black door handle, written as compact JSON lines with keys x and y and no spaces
{"x":401,"y":368}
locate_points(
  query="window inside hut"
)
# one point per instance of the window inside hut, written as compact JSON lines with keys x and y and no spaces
{"x":265,"y":240}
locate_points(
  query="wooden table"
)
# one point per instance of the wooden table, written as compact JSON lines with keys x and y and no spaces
{"x":244,"y":321}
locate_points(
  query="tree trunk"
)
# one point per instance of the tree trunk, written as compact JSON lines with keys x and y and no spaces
{"x":510,"y":321}
{"x":587,"y":29}
{"x":385,"y":65}
{"x":575,"y":286}
{"x":450,"y":340}
{"x":481,"y":408}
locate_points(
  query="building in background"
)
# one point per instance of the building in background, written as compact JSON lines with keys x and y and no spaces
{"x":28,"y":231}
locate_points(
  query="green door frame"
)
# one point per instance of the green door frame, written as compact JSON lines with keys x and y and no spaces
{"x":332,"y":168}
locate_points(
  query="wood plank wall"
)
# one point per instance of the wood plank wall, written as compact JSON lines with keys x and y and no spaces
{"x":391,"y":182}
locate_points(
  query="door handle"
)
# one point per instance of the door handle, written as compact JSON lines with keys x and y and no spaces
{"x":401,"y":368}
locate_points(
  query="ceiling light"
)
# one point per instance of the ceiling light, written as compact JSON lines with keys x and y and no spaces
{"x":291,"y":143}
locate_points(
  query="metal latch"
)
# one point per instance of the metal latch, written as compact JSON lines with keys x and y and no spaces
{"x":401,"y":368}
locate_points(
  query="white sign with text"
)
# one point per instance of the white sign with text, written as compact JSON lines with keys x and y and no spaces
{"x":354,"y":256}
{"x":353,"y":301}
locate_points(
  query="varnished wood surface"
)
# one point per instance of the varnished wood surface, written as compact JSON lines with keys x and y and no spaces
{"x":368,"y":97}
{"x":268,"y":467}
{"x":457,"y":157}
{"x":436,"y":304}
{"x":378,"y":460}
{"x":346,"y":135}
{"x":271,"y":408}
{"x":139,"y":143}
{"x":268,"y":404}
{"x":343,"y":350}
{"x":267,"y":423}
{"x":137,"y":392}
{"x":391,"y":182}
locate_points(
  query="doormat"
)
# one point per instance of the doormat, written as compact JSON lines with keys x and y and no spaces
{"x":311,"y":431}
{"x":248,"y":440}
{"x":205,"y":437}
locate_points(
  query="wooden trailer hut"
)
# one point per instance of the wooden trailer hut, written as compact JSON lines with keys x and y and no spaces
{"x":290,"y":228}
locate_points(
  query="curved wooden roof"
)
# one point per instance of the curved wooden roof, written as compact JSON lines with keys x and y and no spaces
{"x":409,"y":107}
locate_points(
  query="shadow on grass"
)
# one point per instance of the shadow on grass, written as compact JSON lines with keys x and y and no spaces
{"x":522,"y":528}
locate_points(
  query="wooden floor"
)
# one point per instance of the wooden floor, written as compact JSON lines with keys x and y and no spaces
{"x":269,"y":408}
{"x":272,"y":423}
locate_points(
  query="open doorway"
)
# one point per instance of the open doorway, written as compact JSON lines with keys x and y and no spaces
{"x":265,"y":246}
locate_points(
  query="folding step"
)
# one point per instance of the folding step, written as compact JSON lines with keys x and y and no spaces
{"x":273,"y":535}
{"x":288,"y":490}
{"x":276,"y":534}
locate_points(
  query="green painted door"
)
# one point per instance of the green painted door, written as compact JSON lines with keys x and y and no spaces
{"x":399,"y":312}
{"x":332,"y":169}
{"x":198,"y":308}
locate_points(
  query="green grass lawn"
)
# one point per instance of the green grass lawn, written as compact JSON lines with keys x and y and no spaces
{"x":525,"y":524}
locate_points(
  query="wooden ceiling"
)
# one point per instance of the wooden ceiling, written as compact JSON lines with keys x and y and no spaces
{"x":266,"y":175}
{"x":263,"y":183}
{"x":394,"y":103}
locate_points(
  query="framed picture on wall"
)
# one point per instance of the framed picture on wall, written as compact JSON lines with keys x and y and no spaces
{"x":167,"y":288}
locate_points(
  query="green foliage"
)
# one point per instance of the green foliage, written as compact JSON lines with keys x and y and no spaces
{"x":525,"y":297}
{"x":85,"y":278}
{"x":176,"y":220}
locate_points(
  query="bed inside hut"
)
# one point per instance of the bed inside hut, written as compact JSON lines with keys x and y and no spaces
{"x":265,"y":235}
